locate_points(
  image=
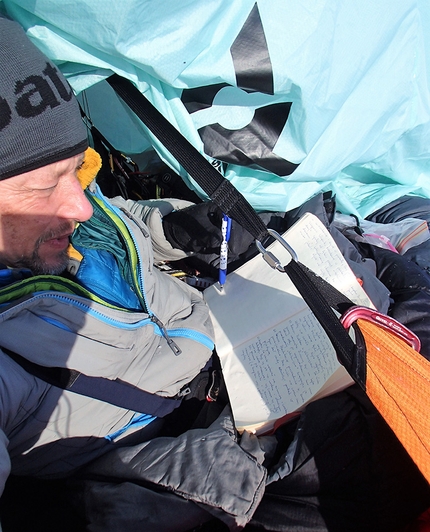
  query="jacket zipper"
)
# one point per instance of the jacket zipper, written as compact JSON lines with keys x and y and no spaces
{"x":192,"y":335}
{"x":86,"y":308}
{"x":139,"y":284}
{"x":135,"y":262}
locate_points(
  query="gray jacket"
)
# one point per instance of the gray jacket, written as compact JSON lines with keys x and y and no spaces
{"x":46,"y":431}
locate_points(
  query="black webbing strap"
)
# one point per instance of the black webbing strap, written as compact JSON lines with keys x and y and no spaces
{"x":115,"y":392}
{"x":322,"y":298}
{"x":219,"y":189}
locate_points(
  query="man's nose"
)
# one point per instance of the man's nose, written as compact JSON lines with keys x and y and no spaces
{"x":74,"y":205}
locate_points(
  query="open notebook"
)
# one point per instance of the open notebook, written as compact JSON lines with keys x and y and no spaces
{"x":275,"y":356}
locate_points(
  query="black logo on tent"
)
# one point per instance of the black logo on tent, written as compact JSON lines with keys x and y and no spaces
{"x":248,"y":132}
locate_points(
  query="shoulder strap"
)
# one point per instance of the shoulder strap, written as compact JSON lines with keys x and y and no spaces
{"x":219,"y":189}
{"x":233,"y":203}
{"x":115,"y":392}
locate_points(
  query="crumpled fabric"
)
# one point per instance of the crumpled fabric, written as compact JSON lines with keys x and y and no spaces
{"x":289,"y":98}
{"x":207,"y":467}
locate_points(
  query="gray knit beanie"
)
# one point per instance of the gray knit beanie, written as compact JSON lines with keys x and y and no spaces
{"x":40,"y":122}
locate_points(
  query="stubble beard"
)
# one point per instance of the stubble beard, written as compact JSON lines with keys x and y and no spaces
{"x":37,"y":265}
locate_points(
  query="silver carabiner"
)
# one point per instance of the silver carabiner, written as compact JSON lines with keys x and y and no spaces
{"x":269,"y":257}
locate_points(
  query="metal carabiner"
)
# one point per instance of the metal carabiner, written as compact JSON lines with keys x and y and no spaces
{"x":388,"y":323}
{"x":269,"y":257}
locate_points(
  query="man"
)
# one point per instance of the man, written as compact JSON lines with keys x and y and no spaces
{"x":111,"y":320}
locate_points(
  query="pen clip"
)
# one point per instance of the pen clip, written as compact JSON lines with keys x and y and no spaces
{"x":223,"y":256}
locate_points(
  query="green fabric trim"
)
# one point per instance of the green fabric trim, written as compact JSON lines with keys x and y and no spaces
{"x":47,"y":283}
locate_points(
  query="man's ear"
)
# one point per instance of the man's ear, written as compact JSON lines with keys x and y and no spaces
{"x":90,"y":167}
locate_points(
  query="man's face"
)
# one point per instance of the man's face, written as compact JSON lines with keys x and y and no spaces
{"x":38,"y":213}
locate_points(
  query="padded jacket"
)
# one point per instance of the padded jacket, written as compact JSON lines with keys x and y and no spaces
{"x":84,"y":322}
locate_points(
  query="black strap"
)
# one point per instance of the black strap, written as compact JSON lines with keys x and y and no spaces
{"x":322,"y":298}
{"x":219,"y":189}
{"x":115,"y":392}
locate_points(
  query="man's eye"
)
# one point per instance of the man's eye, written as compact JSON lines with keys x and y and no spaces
{"x":46,"y":190}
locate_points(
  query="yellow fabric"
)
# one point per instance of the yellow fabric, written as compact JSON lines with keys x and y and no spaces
{"x":74,"y":253}
{"x":398,"y":384}
{"x":86,"y":174}
{"x":90,"y":167}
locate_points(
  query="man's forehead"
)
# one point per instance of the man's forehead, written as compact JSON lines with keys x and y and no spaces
{"x":49,"y":171}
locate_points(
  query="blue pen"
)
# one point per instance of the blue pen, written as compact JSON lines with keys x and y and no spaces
{"x":223,"y":255}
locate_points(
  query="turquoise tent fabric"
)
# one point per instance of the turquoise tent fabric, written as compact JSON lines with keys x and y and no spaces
{"x":293,"y":97}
